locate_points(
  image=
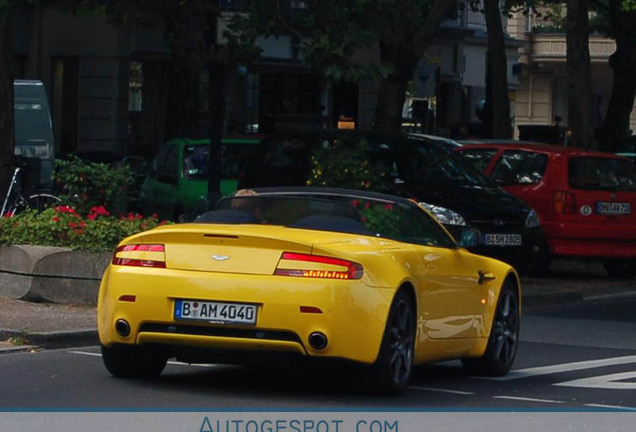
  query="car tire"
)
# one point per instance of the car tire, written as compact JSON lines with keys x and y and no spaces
{"x":503,"y":340}
{"x":391,"y":372}
{"x":133,"y":361}
{"x":620,"y":268}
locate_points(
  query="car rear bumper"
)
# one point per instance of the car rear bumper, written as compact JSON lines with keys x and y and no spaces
{"x":352,"y":315}
{"x":591,"y":240}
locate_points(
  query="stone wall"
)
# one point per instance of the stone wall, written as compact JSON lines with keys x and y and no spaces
{"x":51,"y":274}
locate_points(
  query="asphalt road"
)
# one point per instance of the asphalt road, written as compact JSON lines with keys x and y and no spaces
{"x":577,"y":356}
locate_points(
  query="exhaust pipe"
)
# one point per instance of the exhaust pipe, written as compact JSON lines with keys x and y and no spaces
{"x":318,"y":341}
{"x":122,"y":327}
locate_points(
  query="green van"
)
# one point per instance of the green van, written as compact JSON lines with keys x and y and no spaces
{"x":177,"y":181}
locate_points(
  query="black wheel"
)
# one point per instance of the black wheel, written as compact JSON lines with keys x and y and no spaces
{"x":38,"y":201}
{"x":621,"y":268}
{"x":503,"y":340}
{"x":392,"y":370}
{"x":131,"y":361}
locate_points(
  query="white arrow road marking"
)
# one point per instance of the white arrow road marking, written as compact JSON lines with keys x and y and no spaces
{"x":604,"y":382}
{"x":176,"y":363}
{"x":517,"y":398}
{"x":563,"y":367}
{"x":432,"y":389}
{"x":618,"y":407}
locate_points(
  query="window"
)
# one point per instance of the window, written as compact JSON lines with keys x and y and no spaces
{"x":602,"y":174}
{"x":519,"y":167}
{"x":135,"y":86}
{"x":171,"y":166}
{"x":397,"y":220}
{"x":478,"y":158}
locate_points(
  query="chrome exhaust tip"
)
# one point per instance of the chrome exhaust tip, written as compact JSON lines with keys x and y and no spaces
{"x":318,"y":341}
{"x":122,"y":327}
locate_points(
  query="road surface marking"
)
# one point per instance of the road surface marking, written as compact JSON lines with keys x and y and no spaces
{"x":604,"y":382}
{"x":175,"y":363}
{"x":563,"y":367}
{"x":611,"y":406}
{"x":528,"y":399}
{"x":442,"y":390}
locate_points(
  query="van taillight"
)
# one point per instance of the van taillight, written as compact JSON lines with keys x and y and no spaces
{"x":315,"y":266}
{"x":140,"y":255}
{"x":564,"y":202}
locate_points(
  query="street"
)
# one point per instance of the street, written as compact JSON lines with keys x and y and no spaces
{"x":571,"y":356}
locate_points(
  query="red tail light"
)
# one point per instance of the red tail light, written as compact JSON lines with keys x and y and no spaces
{"x":320,"y":267}
{"x":564,"y":202}
{"x":140,"y":255}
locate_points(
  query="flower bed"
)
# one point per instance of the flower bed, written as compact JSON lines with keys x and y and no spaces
{"x":62,"y":226}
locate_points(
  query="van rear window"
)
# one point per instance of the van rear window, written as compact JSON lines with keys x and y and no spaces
{"x":602,"y":174}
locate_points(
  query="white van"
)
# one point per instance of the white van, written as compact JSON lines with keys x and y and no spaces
{"x":33,"y":126}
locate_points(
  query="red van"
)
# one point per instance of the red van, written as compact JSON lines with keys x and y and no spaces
{"x":585,"y":199}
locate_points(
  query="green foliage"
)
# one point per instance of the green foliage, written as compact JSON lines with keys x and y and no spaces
{"x":379,"y":218}
{"x":84,"y":185}
{"x":345,"y":163}
{"x":341,"y":38}
{"x":63,"y":226}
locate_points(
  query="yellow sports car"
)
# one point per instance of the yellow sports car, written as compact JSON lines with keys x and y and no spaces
{"x":308,"y":272}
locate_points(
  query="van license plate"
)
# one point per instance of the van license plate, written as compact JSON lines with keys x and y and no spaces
{"x":218,"y":312}
{"x":502,"y":239}
{"x":613,"y":208}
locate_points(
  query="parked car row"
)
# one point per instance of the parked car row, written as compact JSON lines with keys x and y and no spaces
{"x":530,"y":202}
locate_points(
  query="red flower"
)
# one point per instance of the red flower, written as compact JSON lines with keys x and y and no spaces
{"x":55,"y":218}
{"x":82,"y":224}
{"x":155,"y":216}
{"x":72,"y":225}
{"x":8,"y":215}
{"x":388,"y":206}
{"x":91,"y":216}
{"x":367,"y":205}
{"x":355,"y":203}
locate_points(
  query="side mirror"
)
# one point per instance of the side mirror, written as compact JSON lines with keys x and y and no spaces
{"x":468,"y":238}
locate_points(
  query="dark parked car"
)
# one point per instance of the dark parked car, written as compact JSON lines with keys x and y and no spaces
{"x":416,"y":167}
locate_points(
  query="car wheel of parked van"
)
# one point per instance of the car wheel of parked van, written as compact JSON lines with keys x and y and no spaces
{"x":621,"y":268}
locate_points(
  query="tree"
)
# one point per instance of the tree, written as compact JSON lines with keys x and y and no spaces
{"x":7,"y":138}
{"x":497,"y":72}
{"x":620,"y":17}
{"x":350,"y":40}
{"x":580,"y":118}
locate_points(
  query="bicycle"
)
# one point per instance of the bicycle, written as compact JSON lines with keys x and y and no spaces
{"x":37,"y":200}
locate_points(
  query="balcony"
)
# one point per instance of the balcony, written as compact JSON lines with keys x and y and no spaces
{"x":552,"y":47}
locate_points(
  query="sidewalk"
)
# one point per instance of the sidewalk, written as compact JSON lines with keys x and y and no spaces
{"x":25,"y":325}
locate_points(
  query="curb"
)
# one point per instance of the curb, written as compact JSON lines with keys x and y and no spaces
{"x":55,"y":339}
{"x":17,"y":349}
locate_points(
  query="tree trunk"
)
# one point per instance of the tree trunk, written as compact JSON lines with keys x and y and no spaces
{"x":7,"y":138}
{"x":623,"y":63}
{"x":580,"y":119}
{"x":404,"y":54}
{"x":498,"y":76}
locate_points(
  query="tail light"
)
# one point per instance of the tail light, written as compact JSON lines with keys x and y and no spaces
{"x":564,"y":202}
{"x":140,"y":255}
{"x":320,"y":267}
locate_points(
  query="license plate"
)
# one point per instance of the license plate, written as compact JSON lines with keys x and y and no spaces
{"x":217,"y":312}
{"x":613,"y":208}
{"x":502,"y":239}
